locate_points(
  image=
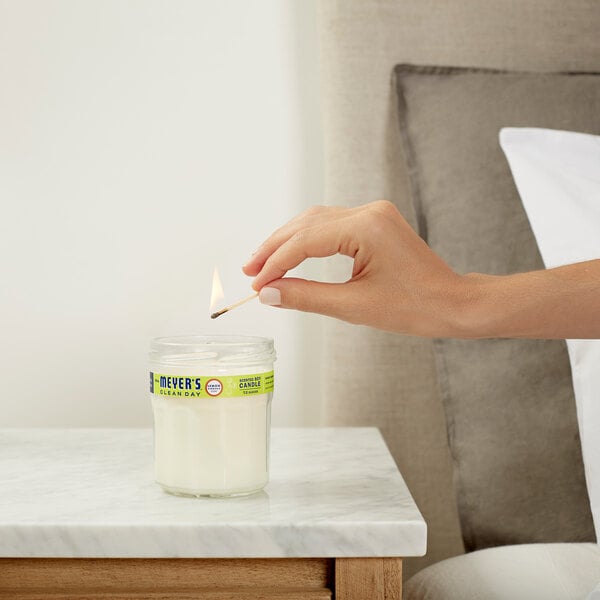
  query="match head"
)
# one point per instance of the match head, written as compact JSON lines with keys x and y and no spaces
{"x":219,"y":313}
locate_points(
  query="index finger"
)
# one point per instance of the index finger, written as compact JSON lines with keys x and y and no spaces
{"x":277,"y":238}
{"x":318,"y":241}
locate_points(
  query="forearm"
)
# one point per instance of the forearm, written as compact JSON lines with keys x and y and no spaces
{"x":558,"y":303}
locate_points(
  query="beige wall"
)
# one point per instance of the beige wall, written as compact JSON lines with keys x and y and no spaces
{"x":142,"y":143}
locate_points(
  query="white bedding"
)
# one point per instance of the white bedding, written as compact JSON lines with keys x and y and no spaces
{"x":557,"y":174}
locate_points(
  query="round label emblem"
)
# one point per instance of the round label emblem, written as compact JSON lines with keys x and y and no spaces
{"x":213,"y":387}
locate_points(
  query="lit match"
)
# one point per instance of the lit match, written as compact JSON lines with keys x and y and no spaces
{"x":232,"y":306}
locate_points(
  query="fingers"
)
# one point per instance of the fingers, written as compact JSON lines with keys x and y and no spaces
{"x":316,"y":214}
{"x":318,"y":232}
{"x":326,"y":239}
{"x":331,"y":299}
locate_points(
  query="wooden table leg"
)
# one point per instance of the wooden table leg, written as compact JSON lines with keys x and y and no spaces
{"x":368,"y":579}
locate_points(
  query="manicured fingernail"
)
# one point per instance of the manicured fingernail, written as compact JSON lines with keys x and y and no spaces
{"x":270,"y":296}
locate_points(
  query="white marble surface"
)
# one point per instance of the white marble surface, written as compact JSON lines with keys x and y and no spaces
{"x":91,"y":493}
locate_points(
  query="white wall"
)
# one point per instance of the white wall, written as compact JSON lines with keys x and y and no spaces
{"x":141,"y":143}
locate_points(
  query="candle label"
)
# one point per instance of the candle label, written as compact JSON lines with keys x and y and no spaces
{"x":203,"y":386}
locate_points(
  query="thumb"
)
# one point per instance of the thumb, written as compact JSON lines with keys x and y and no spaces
{"x":331,"y":299}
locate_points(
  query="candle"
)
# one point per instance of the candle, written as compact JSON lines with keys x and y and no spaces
{"x":211,"y":400}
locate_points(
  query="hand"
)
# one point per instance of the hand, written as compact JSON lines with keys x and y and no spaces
{"x":398,"y":283}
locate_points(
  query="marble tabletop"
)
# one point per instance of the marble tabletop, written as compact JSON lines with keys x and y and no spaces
{"x":334,"y":492}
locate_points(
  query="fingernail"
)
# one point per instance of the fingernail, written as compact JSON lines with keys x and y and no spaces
{"x":270,"y":296}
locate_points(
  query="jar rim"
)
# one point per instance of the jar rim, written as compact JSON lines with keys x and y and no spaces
{"x":204,"y":349}
{"x":221,"y":339}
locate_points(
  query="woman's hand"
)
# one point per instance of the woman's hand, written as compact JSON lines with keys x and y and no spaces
{"x":397,"y":282}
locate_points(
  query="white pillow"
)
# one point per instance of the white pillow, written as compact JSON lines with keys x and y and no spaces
{"x":558,"y":177}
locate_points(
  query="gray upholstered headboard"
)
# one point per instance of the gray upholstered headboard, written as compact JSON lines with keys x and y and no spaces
{"x":361,"y":41}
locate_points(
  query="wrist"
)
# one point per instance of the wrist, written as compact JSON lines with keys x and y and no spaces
{"x":477,"y":306}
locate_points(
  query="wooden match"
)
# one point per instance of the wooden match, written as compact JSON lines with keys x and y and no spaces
{"x":232,"y":306}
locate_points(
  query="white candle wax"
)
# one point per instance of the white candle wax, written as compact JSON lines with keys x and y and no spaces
{"x":211,"y":423}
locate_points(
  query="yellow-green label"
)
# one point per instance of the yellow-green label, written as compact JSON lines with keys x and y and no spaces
{"x":218,"y":386}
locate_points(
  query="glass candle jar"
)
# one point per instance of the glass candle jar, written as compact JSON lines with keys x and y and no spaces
{"x":211,"y":399}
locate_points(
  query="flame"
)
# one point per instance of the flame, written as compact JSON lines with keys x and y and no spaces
{"x":216,"y":295}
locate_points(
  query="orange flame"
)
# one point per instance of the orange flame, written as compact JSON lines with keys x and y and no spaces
{"x":216,"y":295}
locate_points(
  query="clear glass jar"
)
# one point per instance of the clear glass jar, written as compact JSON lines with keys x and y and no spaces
{"x":211,"y":399}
